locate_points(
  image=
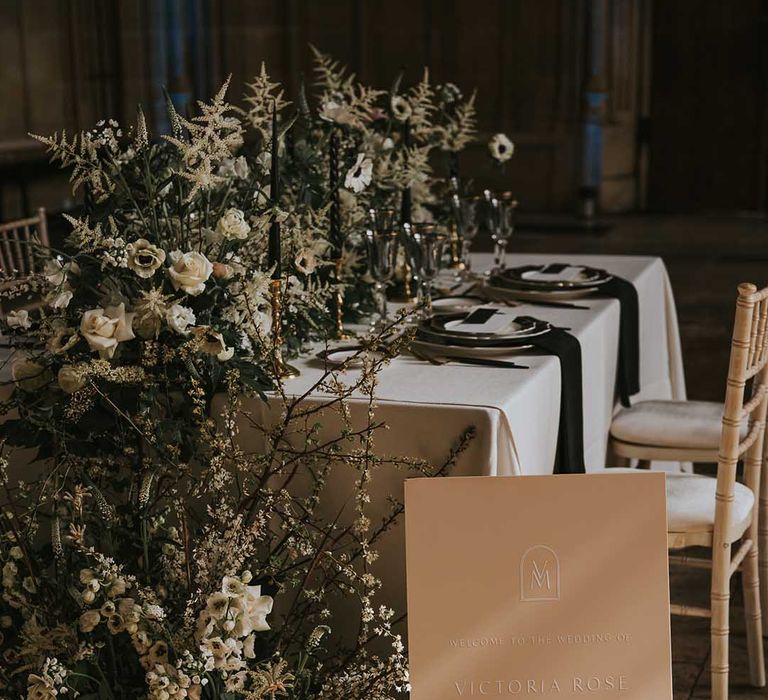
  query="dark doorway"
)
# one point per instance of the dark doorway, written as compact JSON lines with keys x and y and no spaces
{"x":708,"y":144}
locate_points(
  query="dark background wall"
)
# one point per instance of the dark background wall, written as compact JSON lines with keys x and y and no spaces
{"x":659,"y":105}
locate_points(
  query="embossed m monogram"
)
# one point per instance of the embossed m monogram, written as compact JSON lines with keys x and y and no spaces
{"x":540,"y":575}
{"x":540,"y":579}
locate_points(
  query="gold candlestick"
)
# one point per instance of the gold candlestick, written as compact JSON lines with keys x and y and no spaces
{"x":455,"y":249}
{"x":407,"y":296}
{"x":282,"y":369}
{"x":338,"y":299}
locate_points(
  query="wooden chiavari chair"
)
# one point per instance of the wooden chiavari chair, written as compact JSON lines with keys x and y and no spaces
{"x":723,"y":514}
{"x":20,"y":244}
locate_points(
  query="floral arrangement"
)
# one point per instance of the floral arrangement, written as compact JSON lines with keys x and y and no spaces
{"x":146,"y":552}
{"x":214,"y":575}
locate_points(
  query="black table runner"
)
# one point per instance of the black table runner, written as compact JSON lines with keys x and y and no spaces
{"x":628,"y":373}
{"x":570,"y":436}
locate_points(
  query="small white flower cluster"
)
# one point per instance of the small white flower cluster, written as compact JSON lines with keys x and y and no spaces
{"x":226,"y":627}
{"x":50,"y":683}
{"x":15,"y":587}
{"x":184,"y":680}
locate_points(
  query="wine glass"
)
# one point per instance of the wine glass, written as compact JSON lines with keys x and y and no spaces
{"x":501,"y":224}
{"x":430,"y":242}
{"x":467,"y":212}
{"x":381,"y":239}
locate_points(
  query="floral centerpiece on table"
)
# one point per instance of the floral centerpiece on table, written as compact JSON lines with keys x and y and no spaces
{"x":146,"y":552}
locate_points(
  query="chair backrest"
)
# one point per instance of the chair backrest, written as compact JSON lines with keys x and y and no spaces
{"x":748,"y":365}
{"x":20,"y":246}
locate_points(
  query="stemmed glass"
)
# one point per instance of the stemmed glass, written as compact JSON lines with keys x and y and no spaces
{"x":501,"y":223}
{"x":381,"y":239}
{"x":428,"y":245}
{"x":467,"y":212}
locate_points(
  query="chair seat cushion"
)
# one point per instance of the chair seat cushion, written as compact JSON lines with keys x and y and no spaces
{"x":691,"y":504}
{"x":683,"y":424}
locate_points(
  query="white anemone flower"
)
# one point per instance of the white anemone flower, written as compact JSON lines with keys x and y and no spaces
{"x":360,"y":174}
{"x":501,"y":147}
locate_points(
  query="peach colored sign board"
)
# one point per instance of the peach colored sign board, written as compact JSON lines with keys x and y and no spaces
{"x":538,"y":587}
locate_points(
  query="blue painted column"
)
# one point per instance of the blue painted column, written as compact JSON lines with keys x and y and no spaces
{"x":170,"y":62}
{"x":594,"y":104}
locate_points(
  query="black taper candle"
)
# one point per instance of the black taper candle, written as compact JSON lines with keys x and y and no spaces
{"x":406,"y":205}
{"x":274,"y":230}
{"x":337,"y":241}
{"x":453,"y":165}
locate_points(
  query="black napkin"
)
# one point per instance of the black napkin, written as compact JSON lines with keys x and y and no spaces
{"x":628,"y":375}
{"x":570,"y":438}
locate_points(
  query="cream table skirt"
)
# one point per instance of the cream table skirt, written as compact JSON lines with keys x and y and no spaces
{"x":515,"y":413}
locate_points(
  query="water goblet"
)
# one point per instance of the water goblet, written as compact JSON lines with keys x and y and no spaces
{"x":467,"y":212}
{"x":381,"y":240}
{"x":412,"y":252}
{"x":501,"y":224}
{"x":431,"y":245}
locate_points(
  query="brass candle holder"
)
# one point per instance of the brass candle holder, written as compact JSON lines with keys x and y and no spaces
{"x":281,"y":368}
{"x":454,"y":243}
{"x":338,"y":300}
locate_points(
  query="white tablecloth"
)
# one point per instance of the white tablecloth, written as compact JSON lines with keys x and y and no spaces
{"x":516,"y":412}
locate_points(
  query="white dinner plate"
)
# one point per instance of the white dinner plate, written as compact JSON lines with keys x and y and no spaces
{"x":505,"y":294}
{"x":452,"y":304}
{"x":439,"y":349}
{"x":339,"y":356}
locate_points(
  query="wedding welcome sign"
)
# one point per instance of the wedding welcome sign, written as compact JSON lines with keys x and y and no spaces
{"x":538,"y":587}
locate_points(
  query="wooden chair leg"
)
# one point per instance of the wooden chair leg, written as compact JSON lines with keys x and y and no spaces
{"x":750,"y":581}
{"x":762,"y":539}
{"x":720,"y":601}
{"x":643,"y":463}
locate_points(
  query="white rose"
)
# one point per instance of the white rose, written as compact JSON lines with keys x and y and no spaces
{"x":71,"y":379}
{"x":104,"y":329}
{"x":189,"y":271}
{"x":179,"y":318}
{"x":18,"y":319}
{"x":233,"y":225}
{"x":30,"y":375}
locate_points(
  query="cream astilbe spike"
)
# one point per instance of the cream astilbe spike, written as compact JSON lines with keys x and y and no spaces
{"x":173,"y":116}
{"x":141,"y":140}
{"x":264,"y":96}
{"x":213,"y":136}
{"x":83,"y":236}
{"x":351,"y":99}
{"x":82,"y":155}
{"x":330,"y":74}
{"x":421,"y":98}
{"x":459,"y":129}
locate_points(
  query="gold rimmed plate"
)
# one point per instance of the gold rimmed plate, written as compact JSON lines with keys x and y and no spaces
{"x":349,"y":356}
{"x":433,"y":348}
{"x":551,"y":277}
{"x":444,"y":328}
